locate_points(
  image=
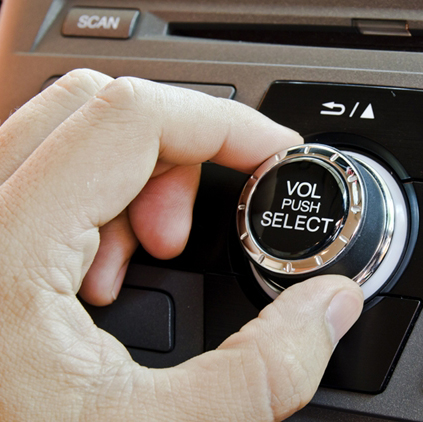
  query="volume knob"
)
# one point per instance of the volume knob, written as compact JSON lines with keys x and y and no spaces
{"x":313,"y":209}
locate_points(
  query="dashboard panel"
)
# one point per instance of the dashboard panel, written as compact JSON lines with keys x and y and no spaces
{"x":344,"y":74}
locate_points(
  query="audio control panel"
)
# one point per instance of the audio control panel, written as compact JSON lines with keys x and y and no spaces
{"x":341,"y":203}
{"x":349,"y":79}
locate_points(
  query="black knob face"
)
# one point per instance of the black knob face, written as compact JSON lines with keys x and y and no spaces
{"x":313,"y":209}
{"x":297,"y":209}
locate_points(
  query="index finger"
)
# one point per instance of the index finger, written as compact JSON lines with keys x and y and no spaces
{"x":196,"y":127}
{"x":98,"y":160}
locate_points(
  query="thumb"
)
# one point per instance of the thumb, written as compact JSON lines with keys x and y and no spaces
{"x":272,"y":367}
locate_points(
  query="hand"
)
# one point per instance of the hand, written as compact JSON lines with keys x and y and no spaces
{"x":91,"y":165}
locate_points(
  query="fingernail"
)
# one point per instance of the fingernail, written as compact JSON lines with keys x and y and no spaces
{"x":118,"y":281}
{"x":343,"y":312}
{"x":293,"y":133}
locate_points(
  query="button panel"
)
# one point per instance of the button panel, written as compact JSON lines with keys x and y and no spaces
{"x":100,"y":23}
{"x":389,"y":116}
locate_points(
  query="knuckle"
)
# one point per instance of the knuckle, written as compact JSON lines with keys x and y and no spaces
{"x":77,"y":74}
{"x":118,"y":94}
{"x":112,"y":106}
{"x":127,"y":101}
{"x":82,"y":77}
{"x":134,"y":94}
{"x":72,"y":78}
{"x":71,"y":90}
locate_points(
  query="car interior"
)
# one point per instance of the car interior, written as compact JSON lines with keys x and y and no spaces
{"x":348,"y":76}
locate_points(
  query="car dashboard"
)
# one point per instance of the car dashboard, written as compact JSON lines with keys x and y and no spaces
{"x":346,"y":75}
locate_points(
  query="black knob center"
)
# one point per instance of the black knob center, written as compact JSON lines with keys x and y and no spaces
{"x":297,"y":209}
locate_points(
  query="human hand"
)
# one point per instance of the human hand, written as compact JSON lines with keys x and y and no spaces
{"x":88,"y":167}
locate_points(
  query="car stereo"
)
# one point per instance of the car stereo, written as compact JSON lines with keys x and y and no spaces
{"x":349,"y":79}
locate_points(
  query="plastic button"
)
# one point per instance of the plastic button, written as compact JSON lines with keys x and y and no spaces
{"x":100,"y":23}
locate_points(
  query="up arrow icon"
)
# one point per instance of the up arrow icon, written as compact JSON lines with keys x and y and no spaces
{"x":368,"y":113}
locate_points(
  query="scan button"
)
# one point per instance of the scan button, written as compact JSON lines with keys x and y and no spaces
{"x":100,"y":23}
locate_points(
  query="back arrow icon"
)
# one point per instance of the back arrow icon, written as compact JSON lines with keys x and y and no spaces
{"x":335,"y":109}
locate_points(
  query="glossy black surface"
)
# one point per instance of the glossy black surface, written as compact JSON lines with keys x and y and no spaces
{"x":296,"y":209}
{"x":365,"y":358}
{"x":226,"y":308}
{"x":388,"y":116}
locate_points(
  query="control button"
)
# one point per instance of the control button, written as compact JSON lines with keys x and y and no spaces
{"x":100,"y":23}
{"x":297,"y":209}
{"x":313,"y":209}
{"x":139,"y":318}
